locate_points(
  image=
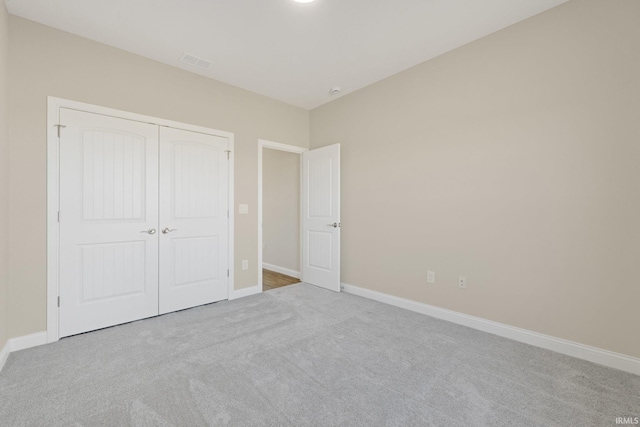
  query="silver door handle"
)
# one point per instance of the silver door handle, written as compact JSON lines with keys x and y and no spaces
{"x":149,"y":231}
{"x":168,"y":230}
{"x":334,"y":225}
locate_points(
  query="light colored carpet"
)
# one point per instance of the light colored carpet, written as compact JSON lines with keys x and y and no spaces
{"x":303,"y":356}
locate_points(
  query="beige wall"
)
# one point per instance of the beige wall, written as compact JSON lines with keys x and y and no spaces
{"x":514,"y":161}
{"x":281,"y":208}
{"x":4,"y":175}
{"x":45,"y":61}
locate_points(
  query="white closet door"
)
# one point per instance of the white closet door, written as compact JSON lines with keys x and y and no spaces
{"x":321,"y":217}
{"x":194,"y":222}
{"x":108,"y":221}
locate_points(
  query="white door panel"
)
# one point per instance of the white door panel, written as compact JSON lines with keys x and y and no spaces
{"x":108,"y":197}
{"x":194,"y":219}
{"x":321,"y":217}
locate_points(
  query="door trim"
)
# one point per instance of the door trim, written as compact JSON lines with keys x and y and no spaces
{"x":53,"y":187}
{"x":263,"y":143}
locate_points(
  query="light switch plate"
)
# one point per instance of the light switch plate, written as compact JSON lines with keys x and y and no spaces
{"x":431,"y":277}
{"x":243,"y":209}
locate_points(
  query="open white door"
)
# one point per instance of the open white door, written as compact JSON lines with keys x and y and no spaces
{"x":321,"y":217}
{"x":194,"y":219}
{"x":108,"y":221}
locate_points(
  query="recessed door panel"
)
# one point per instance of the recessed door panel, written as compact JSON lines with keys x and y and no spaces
{"x":195,"y":180}
{"x":320,"y":187}
{"x":112,"y":270}
{"x":320,"y":248}
{"x":113,"y":175}
{"x":195,"y":259}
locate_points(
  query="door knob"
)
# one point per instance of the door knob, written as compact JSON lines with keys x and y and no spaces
{"x":334,"y":225}
{"x":168,"y":230}
{"x":149,"y":231}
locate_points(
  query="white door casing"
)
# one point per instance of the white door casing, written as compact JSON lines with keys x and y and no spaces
{"x":194,"y":219}
{"x":321,"y":217}
{"x":108,"y":221}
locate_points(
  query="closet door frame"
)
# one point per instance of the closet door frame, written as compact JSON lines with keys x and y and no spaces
{"x":53,"y":193}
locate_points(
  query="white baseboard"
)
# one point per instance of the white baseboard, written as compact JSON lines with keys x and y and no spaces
{"x":28,"y":341}
{"x":281,"y":270}
{"x":569,"y":348}
{"x":244,"y":292}
{"x":4,"y":355}
{"x":21,"y":343}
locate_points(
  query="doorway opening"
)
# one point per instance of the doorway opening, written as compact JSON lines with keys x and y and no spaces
{"x":279,"y":214}
{"x":319,"y":215}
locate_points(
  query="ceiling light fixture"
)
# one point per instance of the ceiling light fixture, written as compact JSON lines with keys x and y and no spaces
{"x":335,"y":91}
{"x":303,"y":1}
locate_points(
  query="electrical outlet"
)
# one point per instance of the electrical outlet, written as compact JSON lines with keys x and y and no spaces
{"x":245,"y":264}
{"x":431,"y":277}
{"x":462,"y":282}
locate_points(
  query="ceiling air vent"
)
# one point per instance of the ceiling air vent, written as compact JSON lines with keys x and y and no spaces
{"x":196,"y":61}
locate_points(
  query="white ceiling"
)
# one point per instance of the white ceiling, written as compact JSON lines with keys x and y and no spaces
{"x":285,"y":50}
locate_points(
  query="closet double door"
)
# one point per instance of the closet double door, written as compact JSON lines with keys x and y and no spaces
{"x":143,"y":218}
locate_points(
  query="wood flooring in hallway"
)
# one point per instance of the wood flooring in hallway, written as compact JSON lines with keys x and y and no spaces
{"x":273,"y":280}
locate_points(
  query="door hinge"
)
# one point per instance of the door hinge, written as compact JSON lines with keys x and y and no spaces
{"x":59,"y":126}
{"x":58,"y":216}
{"x":227,"y":272}
{"x":228,"y":153}
{"x":58,"y":301}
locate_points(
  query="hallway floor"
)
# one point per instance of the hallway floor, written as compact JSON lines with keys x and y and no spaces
{"x":273,"y":280}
